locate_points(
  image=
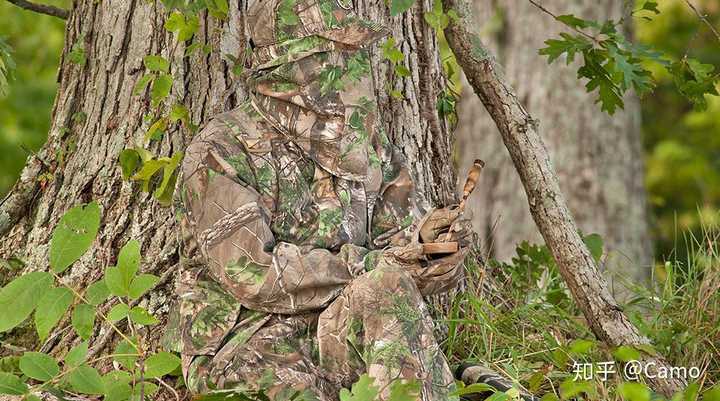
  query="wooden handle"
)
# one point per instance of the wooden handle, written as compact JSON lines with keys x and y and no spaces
{"x":471,"y":181}
{"x":440,"y":247}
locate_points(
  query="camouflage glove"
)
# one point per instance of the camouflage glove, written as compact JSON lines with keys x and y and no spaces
{"x":446,"y":224}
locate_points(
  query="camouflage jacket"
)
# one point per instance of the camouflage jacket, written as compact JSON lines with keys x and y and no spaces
{"x":284,"y":200}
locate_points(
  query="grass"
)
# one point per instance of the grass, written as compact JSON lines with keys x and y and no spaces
{"x":519,"y":319}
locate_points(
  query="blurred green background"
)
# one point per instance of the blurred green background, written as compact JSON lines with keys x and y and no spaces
{"x":682,"y":146}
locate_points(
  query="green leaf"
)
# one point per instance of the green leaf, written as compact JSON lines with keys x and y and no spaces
{"x":167,"y":185}
{"x":77,"y":53}
{"x":569,"y":44}
{"x":11,"y":384}
{"x":475,"y":388}
{"x":594,"y":243}
{"x":402,"y":71}
{"x":362,"y":390}
{"x":39,"y":366}
{"x":713,"y":394}
{"x":76,"y":356}
{"x":650,"y":6}
{"x":634,"y":391}
{"x":160,"y":89}
{"x":184,"y":27}
{"x":156,"y":64}
{"x":694,"y":80}
{"x":126,"y":354}
{"x":573,"y":21}
{"x":437,"y":19}
{"x":73,"y":235}
{"x":86,"y":380}
{"x":128,"y":262}
{"x":117,"y":385}
{"x":31,"y":397}
{"x":142,"y":84}
{"x":118,"y":312}
{"x":129,"y":160}
{"x":391,"y":52}
{"x":630,"y":71}
{"x":626,"y":353}
{"x":581,"y":347}
{"x":149,"y":389}
{"x":51,"y":308}
{"x":498,"y":396}
{"x":113,"y":280}
{"x":20,"y":297}
{"x":160,"y":364}
{"x":218,"y":8}
{"x":83,"y":320}
{"x":97,"y":293}
{"x":142,"y":317}
{"x":400,"y":6}
{"x":156,"y":130}
{"x":142,"y":284}
{"x":179,"y":112}
{"x":409,"y":391}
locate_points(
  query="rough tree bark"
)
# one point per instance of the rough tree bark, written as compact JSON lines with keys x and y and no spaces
{"x":597,"y":157}
{"x":96,"y":116}
{"x":520,"y":134}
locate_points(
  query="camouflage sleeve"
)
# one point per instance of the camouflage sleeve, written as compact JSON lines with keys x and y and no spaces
{"x":229,"y":224}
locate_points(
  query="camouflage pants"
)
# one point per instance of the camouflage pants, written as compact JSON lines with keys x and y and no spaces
{"x":378,"y":325}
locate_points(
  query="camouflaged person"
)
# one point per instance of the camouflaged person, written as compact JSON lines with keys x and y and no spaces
{"x":302,"y":260}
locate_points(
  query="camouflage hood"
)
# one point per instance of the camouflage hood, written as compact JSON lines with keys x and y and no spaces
{"x":310,"y":75}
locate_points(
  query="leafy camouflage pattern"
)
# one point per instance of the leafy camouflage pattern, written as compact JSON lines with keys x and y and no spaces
{"x":302,"y":265}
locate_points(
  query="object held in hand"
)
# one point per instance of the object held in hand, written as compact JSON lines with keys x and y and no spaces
{"x":434,"y":248}
{"x":471,"y":181}
{"x":443,"y":243}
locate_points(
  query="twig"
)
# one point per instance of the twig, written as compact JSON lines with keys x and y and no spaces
{"x":41,"y":8}
{"x":550,"y":13}
{"x":703,"y":18}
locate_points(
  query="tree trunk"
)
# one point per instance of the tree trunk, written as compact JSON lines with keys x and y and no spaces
{"x":96,"y":116}
{"x":521,"y":136}
{"x":597,"y":157}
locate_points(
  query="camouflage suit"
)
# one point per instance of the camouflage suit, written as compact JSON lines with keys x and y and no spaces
{"x":302,"y":265}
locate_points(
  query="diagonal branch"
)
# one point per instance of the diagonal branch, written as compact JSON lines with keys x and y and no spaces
{"x":41,"y":8}
{"x":521,"y":136}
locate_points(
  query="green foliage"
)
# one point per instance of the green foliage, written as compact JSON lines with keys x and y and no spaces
{"x":535,"y":333}
{"x":156,"y":175}
{"x":161,"y":364}
{"x":681,"y":141}
{"x":86,"y":380}
{"x":55,"y":302}
{"x":11,"y":384}
{"x":36,"y":41}
{"x":362,"y":390}
{"x":20,"y":297}
{"x":400,"y":6}
{"x":77,"y":53}
{"x":73,"y":235}
{"x":694,"y":80}
{"x":35,"y":291}
{"x":613,"y":65}
{"x":39,"y":366}
{"x":184,"y":26}
{"x":7,"y":67}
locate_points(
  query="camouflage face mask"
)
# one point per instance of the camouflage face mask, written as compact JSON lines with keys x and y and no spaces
{"x":310,"y":79}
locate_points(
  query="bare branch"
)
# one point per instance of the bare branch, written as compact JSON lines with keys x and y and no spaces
{"x":704,"y":19}
{"x":548,"y":207}
{"x":41,"y":8}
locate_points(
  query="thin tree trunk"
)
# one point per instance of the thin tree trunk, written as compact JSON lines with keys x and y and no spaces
{"x":597,"y":157}
{"x":96,"y":116}
{"x":520,"y":134}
